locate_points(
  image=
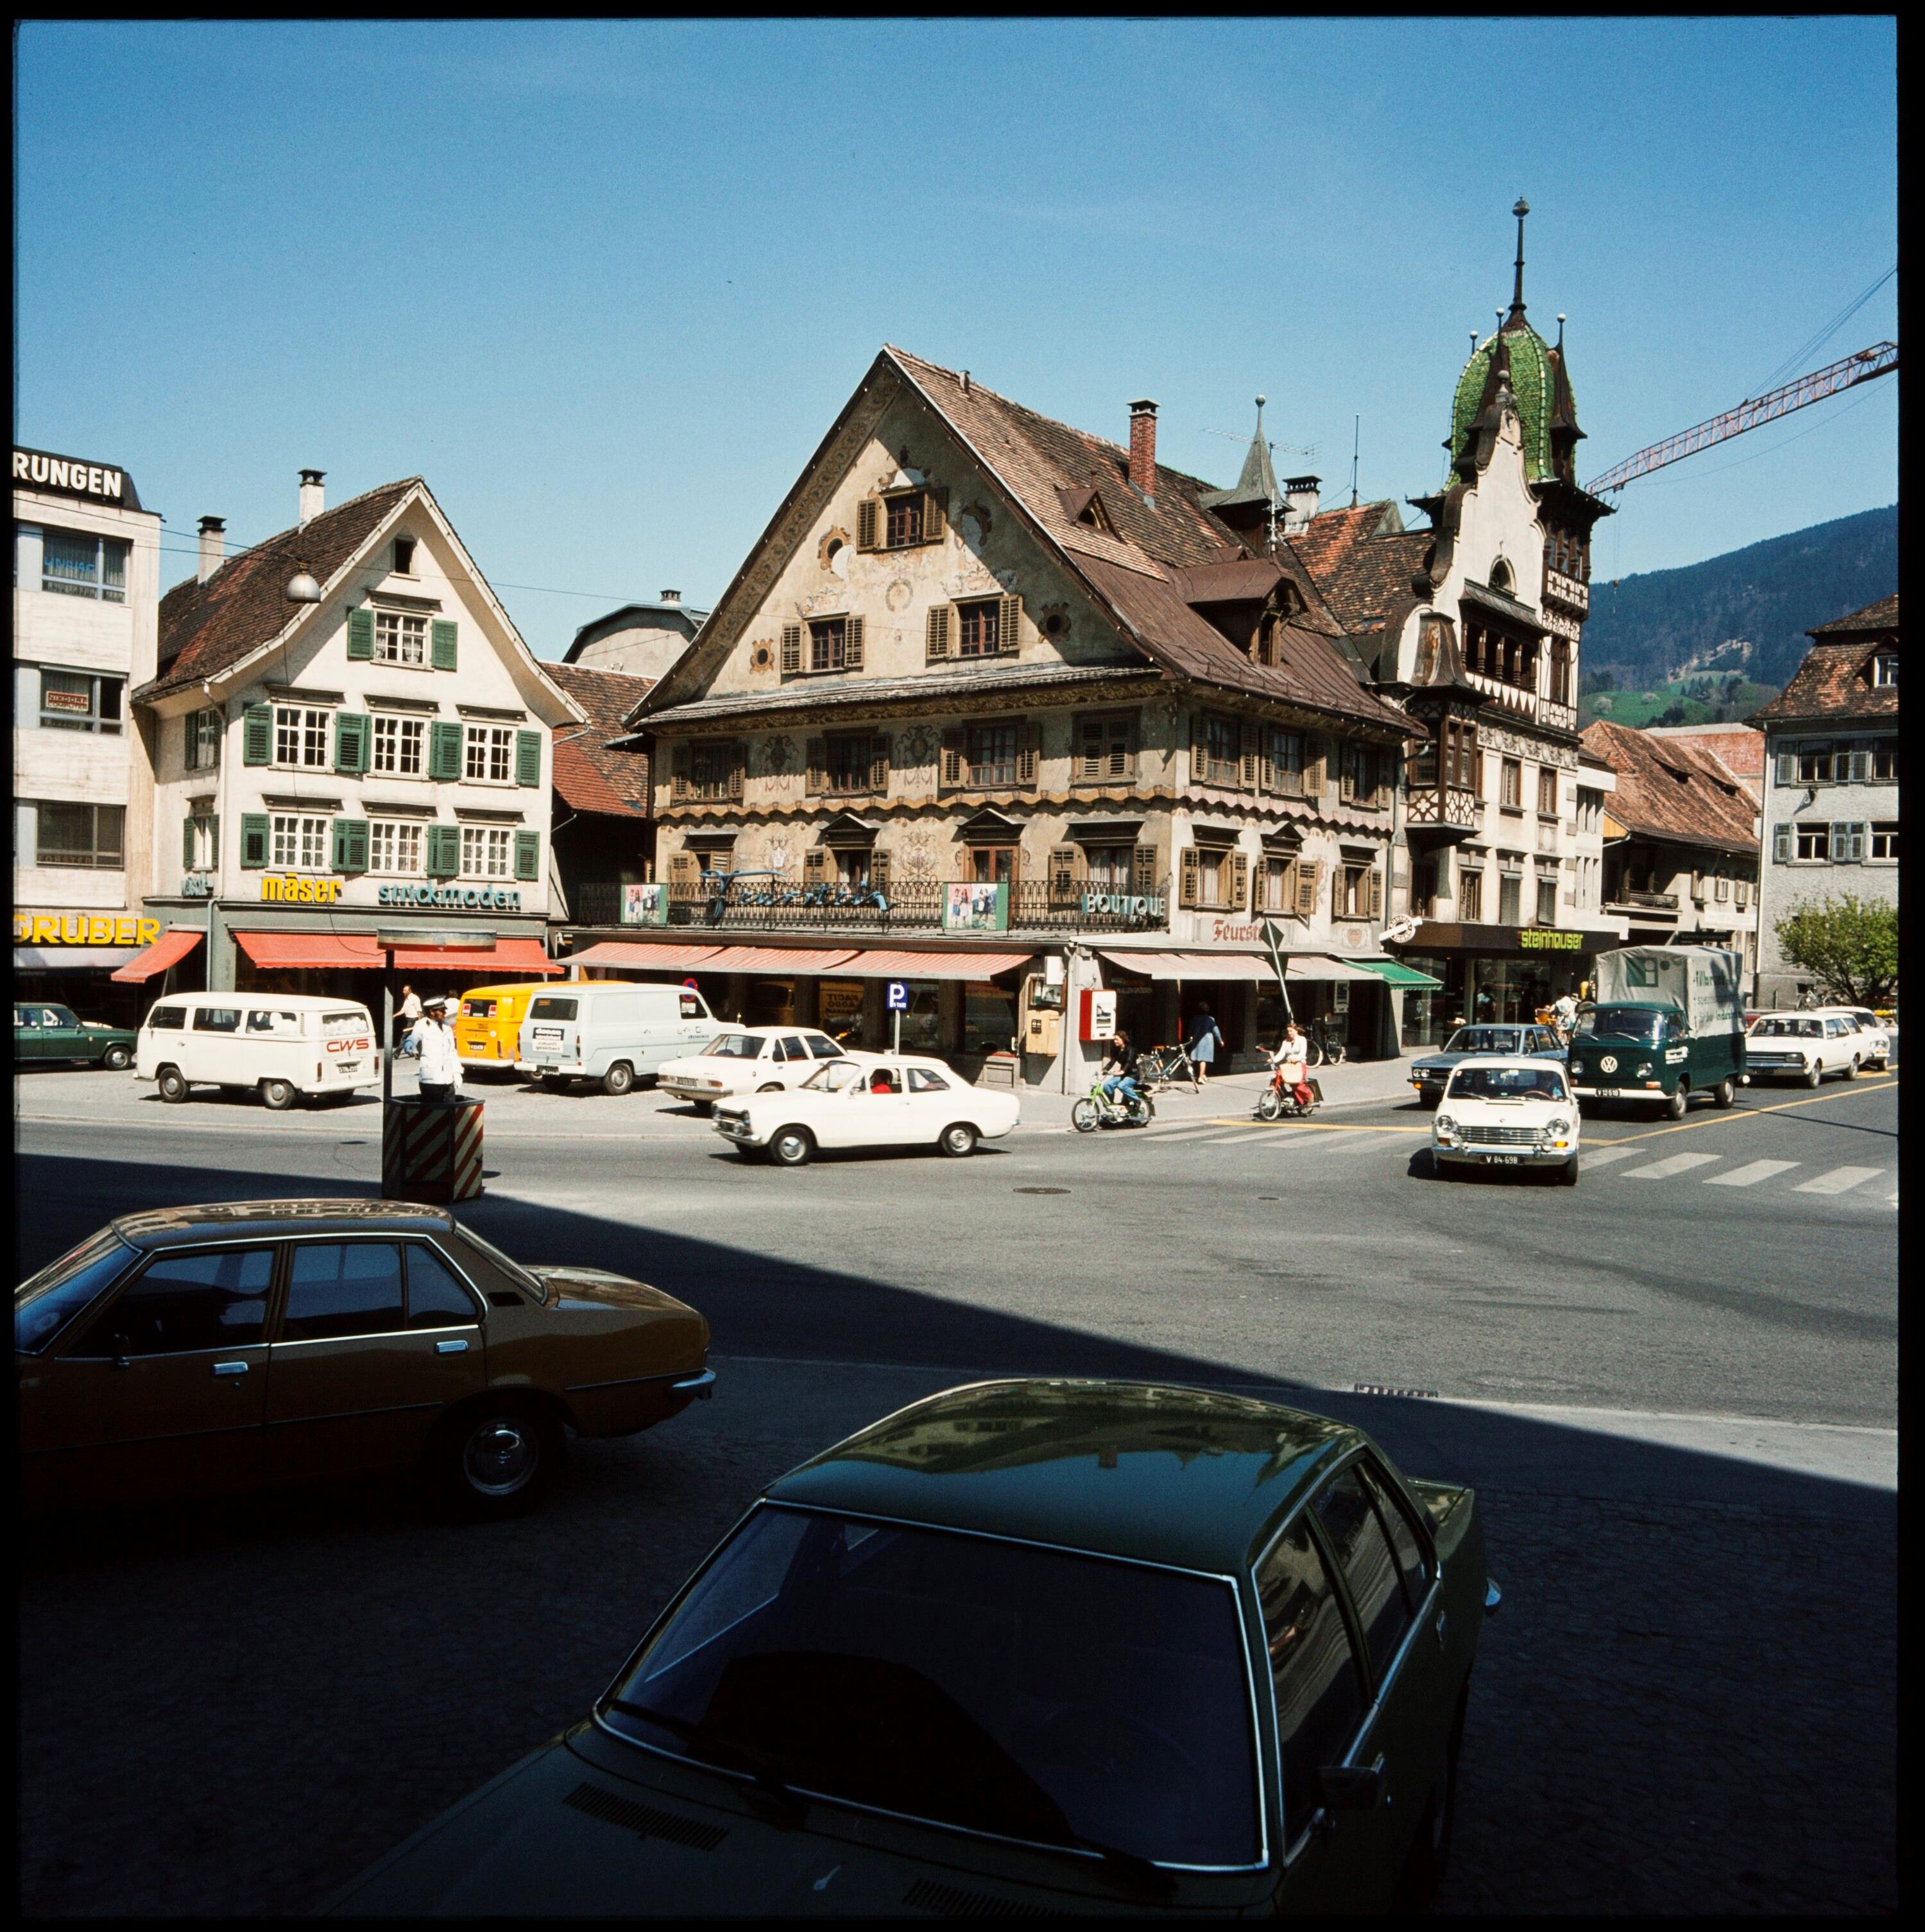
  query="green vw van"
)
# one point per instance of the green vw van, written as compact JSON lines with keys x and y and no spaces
{"x":1668,"y":1023}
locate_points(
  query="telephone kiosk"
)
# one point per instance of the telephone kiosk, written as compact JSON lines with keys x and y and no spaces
{"x":1042,"y":1016}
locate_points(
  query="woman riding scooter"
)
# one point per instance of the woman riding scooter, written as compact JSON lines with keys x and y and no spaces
{"x":1290,"y":1070}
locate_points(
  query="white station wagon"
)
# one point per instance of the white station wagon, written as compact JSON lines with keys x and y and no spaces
{"x":738,"y":1062}
{"x":1806,"y":1046}
{"x":868,"y":1100}
{"x":1506,"y":1113}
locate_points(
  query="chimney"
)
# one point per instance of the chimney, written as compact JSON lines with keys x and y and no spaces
{"x":211,"y":546}
{"x":671,"y":597}
{"x":314,"y":498}
{"x":1143,"y":447}
{"x":1299,"y":501}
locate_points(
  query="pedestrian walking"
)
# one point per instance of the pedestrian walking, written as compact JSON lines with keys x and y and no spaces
{"x":407,"y":1014}
{"x":1206,"y":1036}
{"x":441,"y":1064}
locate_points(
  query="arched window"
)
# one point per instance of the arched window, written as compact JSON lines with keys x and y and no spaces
{"x":1500,"y":577}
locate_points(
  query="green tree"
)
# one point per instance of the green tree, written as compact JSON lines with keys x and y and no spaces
{"x":1848,"y":945}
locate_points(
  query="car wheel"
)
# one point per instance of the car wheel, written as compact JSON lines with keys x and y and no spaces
{"x":1567,"y":1174}
{"x":278,"y":1095}
{"x":771,"y":1086}
{"x":1814,"y":1076}
{"x":1850,"y":1072}
{"x":497,"y":1462}
{"x":117,"y":1059}
{"x":792,"y":1147}
{"x":1725,"y":1092}
{"x":173,"y":1088}
{"x":1084,"y":1117}
{"x":1680,"y":1100}
{"x":1429,"y":1856}
{"x":703,"y":1108}
{"x":958,"y":1140}
{"x":619,"y":1079}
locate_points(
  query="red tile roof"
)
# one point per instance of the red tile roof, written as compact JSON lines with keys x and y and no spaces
{"x":1882,"y":616}
{"x":206,"y":628}
{"x":1739,"y":749}
{"x":590,"y":773}
{"x":1668,"y":788}
{"x":1365,"y":578}
{"x":1834,"y":684}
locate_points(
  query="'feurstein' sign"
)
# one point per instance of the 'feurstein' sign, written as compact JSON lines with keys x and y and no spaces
{"x":73,"y":476}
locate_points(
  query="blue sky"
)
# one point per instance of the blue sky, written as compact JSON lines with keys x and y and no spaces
{"x":605,"y":285}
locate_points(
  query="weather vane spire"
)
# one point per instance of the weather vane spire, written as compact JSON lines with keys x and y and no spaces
{"x":1522,"y":209}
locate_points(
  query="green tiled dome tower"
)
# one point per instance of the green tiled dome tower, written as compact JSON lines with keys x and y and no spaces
{"x":1538,"y":380}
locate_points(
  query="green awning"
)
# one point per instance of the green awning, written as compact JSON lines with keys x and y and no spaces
{"x":1397,"y":975}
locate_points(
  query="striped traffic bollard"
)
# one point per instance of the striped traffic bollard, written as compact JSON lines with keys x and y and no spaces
{"x":465,"y":1162}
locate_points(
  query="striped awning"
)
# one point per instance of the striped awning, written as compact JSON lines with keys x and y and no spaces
{"x":954,"y":963}
{"x":670,"y":957}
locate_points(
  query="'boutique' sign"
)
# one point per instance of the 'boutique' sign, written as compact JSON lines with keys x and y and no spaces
{"x":73,"y":476}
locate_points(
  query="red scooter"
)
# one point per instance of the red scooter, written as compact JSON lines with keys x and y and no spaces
{"x":1287,"y":1100}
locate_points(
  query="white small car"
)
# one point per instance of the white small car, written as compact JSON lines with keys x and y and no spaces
{"x":1805,"y":1046}
{"x":1874,"y":1036}
{"x":1506,"y":1112}
{"x":868,"y":1100}
{"x":746,"y":1062}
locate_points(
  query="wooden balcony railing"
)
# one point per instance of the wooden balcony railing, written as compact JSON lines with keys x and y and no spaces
{"x":1454,"y":807}
{"x":1631,"y":901}
{"x":784,"y":905}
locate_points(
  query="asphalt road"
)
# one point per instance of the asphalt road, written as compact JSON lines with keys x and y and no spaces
{"x":1673,"y":1387}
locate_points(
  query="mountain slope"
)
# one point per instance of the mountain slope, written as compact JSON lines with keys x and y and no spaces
{"x":1648,"y":628}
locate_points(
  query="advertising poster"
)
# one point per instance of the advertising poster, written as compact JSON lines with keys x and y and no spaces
{"x":976,"y":908}
{"x":645,"y":905}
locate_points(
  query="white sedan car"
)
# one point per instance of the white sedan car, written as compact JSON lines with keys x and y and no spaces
{"x":747,"y":1061}
{"x":868,"y":1100}
{"x":1874,"y":1036}
{"x":1804,"y":1046}
{"x":1507,"y":1112}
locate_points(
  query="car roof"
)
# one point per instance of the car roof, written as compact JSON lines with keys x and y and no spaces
{"x":1535,"y":1062}
{"x":300,"y":1003}
{"x":1188,"y":1476}
{"x":506,"y":986}
{"x":172,"y":1227}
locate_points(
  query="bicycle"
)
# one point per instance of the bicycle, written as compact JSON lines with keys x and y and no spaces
{"x":1162,"y":1066}
{"x":1326,"y":1049}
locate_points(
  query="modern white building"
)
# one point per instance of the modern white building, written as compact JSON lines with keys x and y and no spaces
{"x":86,"y":590}
{"x":346,"y":735}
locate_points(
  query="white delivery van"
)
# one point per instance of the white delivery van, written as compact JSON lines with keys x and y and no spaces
{"x":284,"y":1044}
{"x":612,"y":1030}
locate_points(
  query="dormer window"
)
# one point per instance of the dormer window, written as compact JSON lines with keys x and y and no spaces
{"x":404,"y":556}
{"x":1085,"y":506}
{"x":1885,"y":669}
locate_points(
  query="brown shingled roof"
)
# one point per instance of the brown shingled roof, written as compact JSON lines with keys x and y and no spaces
{"x":1668,"y":789}
{"x":1739,"y":749}
{"x":1882,"y":616}
{"x":206,"y":628}
{"x":592,"y":774}
{"x":1363,"y":578}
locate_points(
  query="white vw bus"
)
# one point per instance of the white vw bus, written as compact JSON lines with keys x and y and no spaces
{"x":612,"y":1030}
{"x":283,"y":1044}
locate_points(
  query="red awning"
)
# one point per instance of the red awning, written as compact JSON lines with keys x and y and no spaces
{"x":777,"y":959}
{"x":513,"y":958}
{"x":951,"y":965}
{"x":311,"y":948}
{"x":668,"y":958}
{"x":169,"y":949}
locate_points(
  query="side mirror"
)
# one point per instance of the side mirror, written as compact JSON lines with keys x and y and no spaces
{"x":1347,"y":1787}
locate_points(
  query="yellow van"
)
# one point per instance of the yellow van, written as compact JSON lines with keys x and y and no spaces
{"x":490,"y":1023}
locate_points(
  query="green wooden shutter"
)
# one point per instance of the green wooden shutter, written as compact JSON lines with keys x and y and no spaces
{"x":1781,"y":845}
{"x":527,"y":855}
{"x":257,"y":735}
{"x":444,"y":750}
{"x":253,"y":841}
{"x":352,"y":731}
{"x":528,"y":757}
{"x":214,"y":839}
{"x":360,"y":634}
{"x":442,"y":634}
{"x":190,"y":740}
{"x":444,"y":851}
{"x":350,"y":844}
{"x":187,"y":854}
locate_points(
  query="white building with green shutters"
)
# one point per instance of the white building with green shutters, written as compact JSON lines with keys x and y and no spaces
{"x":345,"y":734}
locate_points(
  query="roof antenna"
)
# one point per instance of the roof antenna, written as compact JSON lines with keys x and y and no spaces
{"x":1356,"y":440}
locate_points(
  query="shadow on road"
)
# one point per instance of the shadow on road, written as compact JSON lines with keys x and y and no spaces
{"x":1686,"y":1706}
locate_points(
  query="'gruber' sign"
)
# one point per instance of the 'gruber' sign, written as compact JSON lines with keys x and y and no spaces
{"x":83,"y":928}
{"x":73,"y":476}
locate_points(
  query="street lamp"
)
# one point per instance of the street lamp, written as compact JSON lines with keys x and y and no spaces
{"x":301,"y":588}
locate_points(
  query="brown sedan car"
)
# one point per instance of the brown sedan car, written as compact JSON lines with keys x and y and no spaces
{"x":198,"y":1350}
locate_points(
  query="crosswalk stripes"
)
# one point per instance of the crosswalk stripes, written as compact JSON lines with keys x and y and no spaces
{"x":1837,"y":1181}
{"x":1601,"y":1157}
{"x":1750,"y":1175}
{"x":1663,"y":1170}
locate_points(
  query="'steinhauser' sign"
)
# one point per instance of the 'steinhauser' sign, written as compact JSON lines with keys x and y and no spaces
{"x":73,"y":476}
{"x":1545,"y":939}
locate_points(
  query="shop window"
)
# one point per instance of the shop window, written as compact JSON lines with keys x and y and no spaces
{"x":73,"y":700}
{"x":73,"y":564}
{"x":298,"y":842}
{"x":394,"y":846}
{"x":1510,"y":891}
{"x":398,"y":745}
{"x":300,"y":737}
{"x":399,"y":638}
{"x":491,"y":755}
{"x":1470,"y":896}
{"x":487,"y":852}
{"x":83,"y":836}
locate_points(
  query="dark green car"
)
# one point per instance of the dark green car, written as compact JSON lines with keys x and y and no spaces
{"x":1026,"y":1646}
{"x":49,"y":1036}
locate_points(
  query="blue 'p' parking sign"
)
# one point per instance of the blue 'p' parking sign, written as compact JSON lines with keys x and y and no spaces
{"x":898,"y":996}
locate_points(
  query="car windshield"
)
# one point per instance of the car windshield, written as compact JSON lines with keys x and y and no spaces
{"x":996,"y":1687}
{"x":735,"y":1046}
{"x":1642,"y":1024}
{"x":835,"y":1075}
{"x":1772,"y":1027}
{"x":1506,"y":1083}
{"x":1483,"y":1039}
{"x":43,"y":1307}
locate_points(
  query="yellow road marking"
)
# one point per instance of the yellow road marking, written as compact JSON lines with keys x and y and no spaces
{"x":1750,"y":1113}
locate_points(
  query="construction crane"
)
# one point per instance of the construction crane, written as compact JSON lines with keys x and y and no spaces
{"x":1881,"y":359}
